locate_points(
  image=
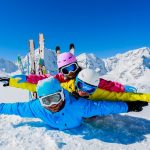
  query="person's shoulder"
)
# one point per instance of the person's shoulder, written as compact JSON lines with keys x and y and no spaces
{"x":35,"y":102}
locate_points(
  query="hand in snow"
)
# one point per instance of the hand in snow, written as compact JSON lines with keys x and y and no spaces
{"x":22,"y":78}
{"x":136,"y":106}
{"x":5,"y":81}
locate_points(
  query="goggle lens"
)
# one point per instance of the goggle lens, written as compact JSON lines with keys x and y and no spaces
{"x":52,"y":99}
{"x":70,"y":68}
{"x":85,"y":87}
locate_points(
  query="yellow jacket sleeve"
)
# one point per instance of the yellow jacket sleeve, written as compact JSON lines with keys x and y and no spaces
{"x":100,"y":94}
{"x":25,"y":85}
{"x":69,"y":86}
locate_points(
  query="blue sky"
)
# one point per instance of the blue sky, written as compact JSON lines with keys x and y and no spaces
{"x":103,"y":27}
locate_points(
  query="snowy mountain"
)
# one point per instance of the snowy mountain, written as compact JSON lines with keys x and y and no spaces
{"x":132,"y":67}
{"x":133,"y":63}
{"x":49,"y":57}
{"x":92,"y":62}
{"x":7,"y":66}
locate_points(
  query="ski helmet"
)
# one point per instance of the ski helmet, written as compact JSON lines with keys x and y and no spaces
{"x":65,"y":59}
{"x":89,"y":76}
{"x":48,"y":86}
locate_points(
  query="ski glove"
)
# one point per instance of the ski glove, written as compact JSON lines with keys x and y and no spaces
{"x":136,"y":106}
{"x":22,"y":78}
{"x":5,"y":81}
{"x":130,"y":89}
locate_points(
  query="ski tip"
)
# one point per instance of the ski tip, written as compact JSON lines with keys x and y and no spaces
{"x":72,"y":48}
{"x":57,"y":49}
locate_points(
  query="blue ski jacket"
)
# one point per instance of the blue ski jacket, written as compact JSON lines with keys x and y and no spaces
{"x":70,"y":116}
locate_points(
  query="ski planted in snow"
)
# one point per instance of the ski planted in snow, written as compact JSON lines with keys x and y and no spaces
{"x":57,"y":50}
{"x":72,"y":48}
{"x":42,"y":68}
{"x":32,"y":65}
{"x":32,"y":57}
{"x":20,"y":65}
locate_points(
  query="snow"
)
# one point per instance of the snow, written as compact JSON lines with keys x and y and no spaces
{"x":129,"y":131}
{"x":126,"y":131}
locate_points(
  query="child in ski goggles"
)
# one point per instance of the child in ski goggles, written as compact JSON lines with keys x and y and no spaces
{"x":73,"y":67}
{"x":52,"y":99}
{"x":90,"y":89}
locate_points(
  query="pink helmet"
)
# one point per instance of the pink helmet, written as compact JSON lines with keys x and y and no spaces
{"x":64,"y":59}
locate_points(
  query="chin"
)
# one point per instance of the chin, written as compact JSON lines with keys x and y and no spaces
{"x":52,"y":109}
{"x":71,"y":76}
{"x":82,"y":95}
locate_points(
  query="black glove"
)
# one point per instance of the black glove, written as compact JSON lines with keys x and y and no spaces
{"x":136,"y":106}
{"x":5,"y":81}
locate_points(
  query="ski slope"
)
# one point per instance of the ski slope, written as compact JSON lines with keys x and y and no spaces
{"x":124,"y":132}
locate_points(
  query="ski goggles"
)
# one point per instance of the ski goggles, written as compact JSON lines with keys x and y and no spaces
{"x":51,"y":99}
{"x":69,"y":68}
{"x":85,"y":87}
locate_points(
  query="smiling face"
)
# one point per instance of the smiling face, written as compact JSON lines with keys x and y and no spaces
{"x":55,"y":107}
{"x":71,"y":75}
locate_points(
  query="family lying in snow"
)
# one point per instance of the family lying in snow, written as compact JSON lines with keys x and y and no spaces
{"x":71,"y":95}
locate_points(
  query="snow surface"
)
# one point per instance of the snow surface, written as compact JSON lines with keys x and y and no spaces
{"x":124,"y":131}
{"x":129,"y":131}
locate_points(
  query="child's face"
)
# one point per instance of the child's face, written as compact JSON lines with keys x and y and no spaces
{"x":55,"y":107}
{"x":71,"y":75}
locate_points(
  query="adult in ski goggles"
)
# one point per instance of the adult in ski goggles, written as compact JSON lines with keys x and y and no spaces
{"x":68,"y":69}
{"x":53,"y":101}
{"x":84,"y":87}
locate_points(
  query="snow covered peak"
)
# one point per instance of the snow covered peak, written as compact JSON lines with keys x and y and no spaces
{"x":7,"y":66}
{"x":130,"y":67}
{"x":51,"y":61}
{"x":144,"y":51}
{"x":138,"y":57}
{"x":92,"y":62}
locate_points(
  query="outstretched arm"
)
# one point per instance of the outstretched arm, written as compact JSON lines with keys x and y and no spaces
{"x":113,"y":86}
{"x":17,"y":82}
{"x":101,"y":94}
{"x":101,"y":108}
{"x":25,"y":109}
{"x":14,"y":82}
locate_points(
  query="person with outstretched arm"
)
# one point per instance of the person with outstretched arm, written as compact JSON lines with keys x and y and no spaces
{"x":68,"y":69}
{"x":86,"y":85}
{"x":60,"y":110}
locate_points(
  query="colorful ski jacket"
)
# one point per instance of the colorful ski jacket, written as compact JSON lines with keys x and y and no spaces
{"x":103,"y":84}
{"x":99,"y":94}
{"x":68,"y":117}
